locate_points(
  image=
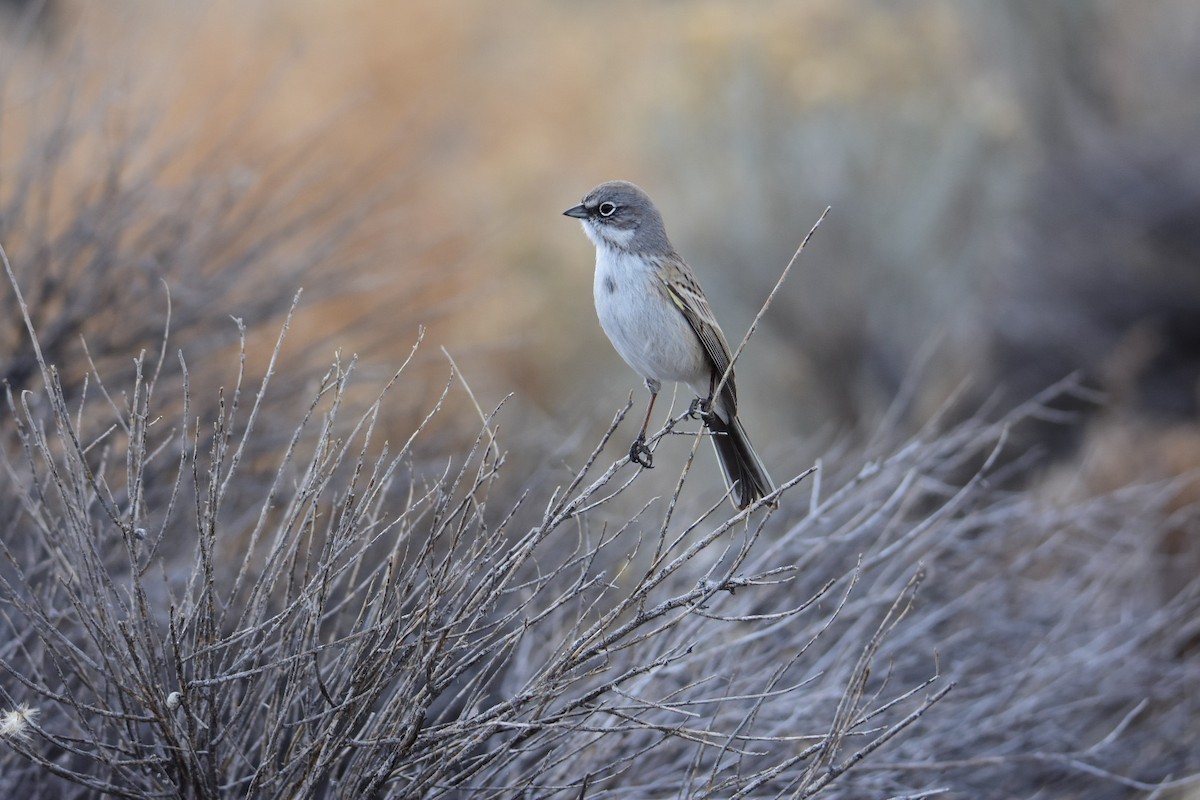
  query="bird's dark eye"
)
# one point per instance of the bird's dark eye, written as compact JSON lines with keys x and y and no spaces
{"x":607,"y":209}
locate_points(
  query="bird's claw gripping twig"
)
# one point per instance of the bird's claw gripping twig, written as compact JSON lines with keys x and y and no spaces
{"x":701,"y":409}
{"x":639,"y":453}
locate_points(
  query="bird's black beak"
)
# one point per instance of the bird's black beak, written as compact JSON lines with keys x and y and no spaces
{"x":578,"y":212}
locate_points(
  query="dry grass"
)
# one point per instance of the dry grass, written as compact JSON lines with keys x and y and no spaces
{"x":386,"y":630}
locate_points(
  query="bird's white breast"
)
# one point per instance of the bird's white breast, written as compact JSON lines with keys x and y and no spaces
{"x":646,"y":329}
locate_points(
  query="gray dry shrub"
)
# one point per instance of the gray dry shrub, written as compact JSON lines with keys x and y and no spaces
{"x":902,"y":626}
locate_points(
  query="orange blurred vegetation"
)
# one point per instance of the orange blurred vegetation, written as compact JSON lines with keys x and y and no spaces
{"x":454,"y":134}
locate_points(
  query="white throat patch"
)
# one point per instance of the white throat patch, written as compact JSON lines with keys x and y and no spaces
{"x":608,"y":236}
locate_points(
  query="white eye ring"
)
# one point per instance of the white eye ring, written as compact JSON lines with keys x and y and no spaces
{"x":607,"y":209}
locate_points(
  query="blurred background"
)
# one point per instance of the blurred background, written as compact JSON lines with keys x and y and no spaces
{"x":1015,"y":194}
{"x":1015,"y":190}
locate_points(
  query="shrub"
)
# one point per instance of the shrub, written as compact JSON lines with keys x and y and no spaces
{"x":384,"y":629}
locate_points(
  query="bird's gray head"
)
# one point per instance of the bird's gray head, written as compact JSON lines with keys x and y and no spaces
{"x":620,"y":215}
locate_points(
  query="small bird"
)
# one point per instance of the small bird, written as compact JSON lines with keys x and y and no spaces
{"x":656,"y":315}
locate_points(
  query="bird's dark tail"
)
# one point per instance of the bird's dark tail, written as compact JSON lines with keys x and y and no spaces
{"x":741,"y":466}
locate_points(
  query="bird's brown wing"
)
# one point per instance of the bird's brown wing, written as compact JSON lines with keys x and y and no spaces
{"x":687,"y":296}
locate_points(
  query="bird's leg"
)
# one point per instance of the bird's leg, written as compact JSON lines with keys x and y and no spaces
{"x":639,"y":453}
{"x":701,"y":407}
